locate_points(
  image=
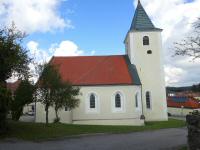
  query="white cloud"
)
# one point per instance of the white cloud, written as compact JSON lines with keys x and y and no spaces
{"x":67,"y":48}
{"x":33,"y":15}
{"x":92,"y":52}
{"x":173,"y":74}
{"x":40,"y":56}
{"x":176,"y":18}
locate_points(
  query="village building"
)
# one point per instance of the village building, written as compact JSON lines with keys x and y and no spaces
{"x":29,"y":109}
{"x":119,"y":89}
{"x":182,"y":105}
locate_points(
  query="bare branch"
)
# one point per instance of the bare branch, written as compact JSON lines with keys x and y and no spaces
{"x":190,"y":46}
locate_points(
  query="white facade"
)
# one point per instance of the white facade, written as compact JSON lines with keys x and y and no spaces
{"x":150,"y":70}
{"x":105,"y":112}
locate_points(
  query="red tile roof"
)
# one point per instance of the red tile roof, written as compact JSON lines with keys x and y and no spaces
{"x":189,"y":103}
{"x":13,"y":86}
{"x":94,"y":70}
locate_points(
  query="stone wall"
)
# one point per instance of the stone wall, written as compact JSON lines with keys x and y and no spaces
{"x":193,"y":124}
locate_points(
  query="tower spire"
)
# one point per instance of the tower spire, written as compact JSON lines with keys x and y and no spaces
{"x":141,"y":20}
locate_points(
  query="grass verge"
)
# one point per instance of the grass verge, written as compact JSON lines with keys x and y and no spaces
{"x":38,"y":131}
{"x":183,"y":148}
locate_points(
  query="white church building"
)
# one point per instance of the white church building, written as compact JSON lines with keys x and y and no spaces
{"x":120,"y":89}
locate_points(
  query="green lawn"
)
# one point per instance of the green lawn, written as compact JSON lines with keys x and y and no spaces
{"x":38,"y":131}
{"x":183,"y":148}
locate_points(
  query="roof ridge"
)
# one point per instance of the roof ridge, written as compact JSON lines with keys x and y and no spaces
{"x":88,"y":56}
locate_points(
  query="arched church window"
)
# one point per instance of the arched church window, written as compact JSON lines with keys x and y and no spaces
{"x":148,"y":100}
{"x":145,"y":40}
{"x":136,"y":99}
{"x":118,"y":100}
{"x":92,"y":101}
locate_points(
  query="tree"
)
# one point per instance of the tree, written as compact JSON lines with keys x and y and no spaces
{"x":196,"y":88}
{"x":5,"y":98}
{"x":23,"y":95}
{"x":46,"y":86}
{"x":52,"y":91}
{"x":13,"y":60}
{"x":65,"y":96}
{"x":13,"y":57}
{"x":190,"y":46}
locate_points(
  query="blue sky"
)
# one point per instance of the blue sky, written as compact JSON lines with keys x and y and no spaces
{"x":99,"y":25}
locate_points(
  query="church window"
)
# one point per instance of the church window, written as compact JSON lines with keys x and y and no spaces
{"x":145,"y":40}
{"x":118,"y":100}
{"x":149,"y":52}
{"x":148,"y":100}
{"x":136,"y":100}
{"x":92,"y":101}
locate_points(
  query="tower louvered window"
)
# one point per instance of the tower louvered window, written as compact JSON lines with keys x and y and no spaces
{"x":145,"y":40}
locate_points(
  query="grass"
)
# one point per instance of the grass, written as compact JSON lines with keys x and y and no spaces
{"x":38,"y":131}
{"x":183,"y":148}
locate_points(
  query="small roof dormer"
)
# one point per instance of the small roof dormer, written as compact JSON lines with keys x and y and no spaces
{"x":141,"y":21}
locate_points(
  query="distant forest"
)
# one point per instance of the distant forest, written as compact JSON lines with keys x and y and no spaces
{"x":179,"y":89}
{"x":194,"y":88}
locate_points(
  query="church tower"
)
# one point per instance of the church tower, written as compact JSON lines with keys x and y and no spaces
{"x":144,"y":49}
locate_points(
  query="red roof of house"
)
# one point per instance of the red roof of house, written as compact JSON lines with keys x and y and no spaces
{"x":189,"y":102}
{"x":13,"y":86}
{"x":94,"y":70}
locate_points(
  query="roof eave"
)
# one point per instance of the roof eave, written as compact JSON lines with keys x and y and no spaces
{"x":147,"y":30}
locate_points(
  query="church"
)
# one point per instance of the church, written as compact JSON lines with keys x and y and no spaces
{"x":118,"y":89}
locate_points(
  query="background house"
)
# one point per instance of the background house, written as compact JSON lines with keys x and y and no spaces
{"x":182,"y":105}
{"x":29,"y":108}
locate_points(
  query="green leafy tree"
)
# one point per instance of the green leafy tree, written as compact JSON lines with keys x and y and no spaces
{"x":13,"y":57}
{"x":13,"y":60}
{"x":5,"y":99}
{"x":46,"y":86}
{"x":196,"y":88}
{"x":23,"y":95}
{"x":53,"y":92}
{"x":65,"y":96}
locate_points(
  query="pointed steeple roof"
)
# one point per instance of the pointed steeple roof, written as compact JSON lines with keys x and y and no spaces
{"x":141,"y":20}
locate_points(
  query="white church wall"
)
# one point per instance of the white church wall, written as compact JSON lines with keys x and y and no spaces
{"x":65,"y":116}
{"x":151,"y":72}
{"x":107,"y":114}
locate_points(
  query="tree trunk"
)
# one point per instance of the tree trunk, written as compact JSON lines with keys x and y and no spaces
{"x":47,"y":114}
{"x":56,"y":113}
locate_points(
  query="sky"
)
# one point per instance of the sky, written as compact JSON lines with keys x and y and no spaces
{"x":98,"y":27}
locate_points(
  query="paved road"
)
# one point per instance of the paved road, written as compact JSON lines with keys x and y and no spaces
{"x":27,"y":118}
{"x":165,"y":139}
